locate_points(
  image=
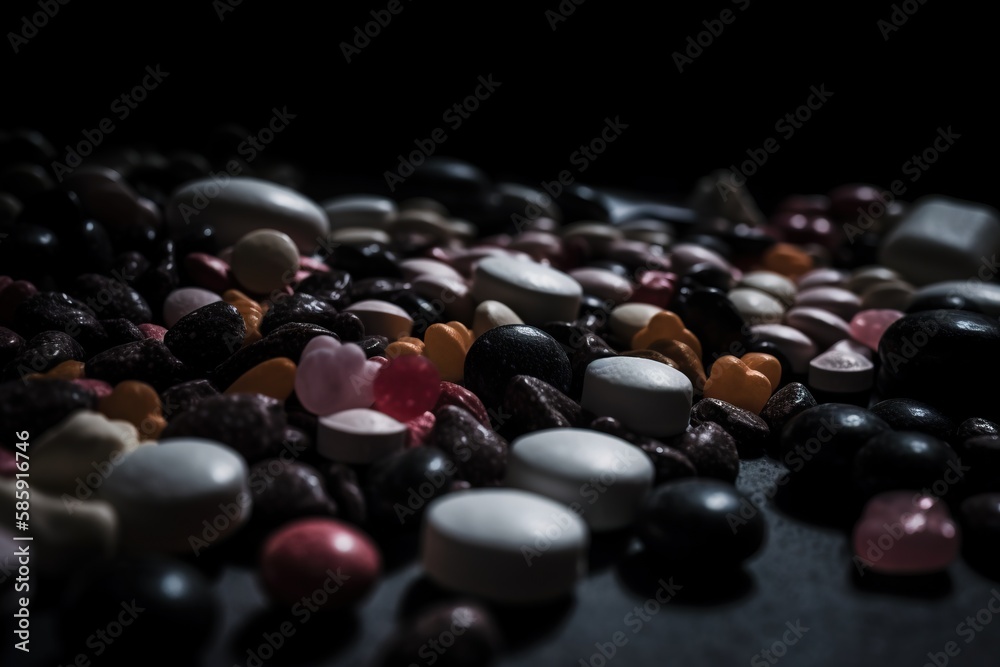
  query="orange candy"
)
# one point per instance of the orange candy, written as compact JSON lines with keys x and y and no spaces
{"x":67,"y":370}
{"x":665,"y":325}
{"x":403,"y":346}
{"x":446,"y":345}
{"x":249,"y":310}
{"x":137,"y":403}
{"x":786,"y":259}
{"x":274,"y":378}
{"x":766,"y":364}
{"x":685,"y":359}
{"x":734,"y":382}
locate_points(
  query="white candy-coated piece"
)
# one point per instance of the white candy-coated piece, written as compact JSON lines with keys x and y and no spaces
{"x":772,"y":283}
{"x":628,"y":319}
{"x":492,"y":314}
{"x":644,"y":395}
{"x":382,"y":318}
{"x":505,"y":545}
{"x":537,"y":293}
{"x":797,"y":347}
{"x":359,"y":435}
{"x":184,"y":301}
{"x":756,"y":306}
{"x":838,"y":370}
{"x":599,"y":476}
{"x":164,"y":493}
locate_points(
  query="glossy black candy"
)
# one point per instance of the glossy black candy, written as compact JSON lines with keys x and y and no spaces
{"x":906,"y":460}
{"x":42,"y":353}
{"x":823,"y":440}
{"x":252,"y":424}
{"x":400,"y":486}
{"x":699,"y":522}
{"x":514,"y":349}
{"x":479,"y":453}
{"x":906,"y":414}
{"x":148,"y":361}
{"x":207,"y":336}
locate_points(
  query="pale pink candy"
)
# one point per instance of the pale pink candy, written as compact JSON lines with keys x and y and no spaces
{"x":154,"y":331}
{"x":99,"y":388}
{"x":868,"y":326}
{"x":330,"y":380}
{"x":419,"y":429}
{"x":319,"y":343}
{"x":301,"y":275}
{"x":8,"y":463}
{"x":186,"y":300}
{"x":313,"y":265}
{"x":904,"y":532}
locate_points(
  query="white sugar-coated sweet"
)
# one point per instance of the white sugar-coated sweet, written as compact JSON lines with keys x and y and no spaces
{"x":264,"y":260}
{"x":421,"y":266}
{"x":537,"y":293}
{"x":239,"y":205}
{"x":453,"y":296}
{"x":772,"y":283}
{"x":837,"y":300}
{"x":822,"y":326}
{"x":941,"y":239}
{"x":164,"y":493}
{"x":358,"y":235}
{"x":797,"y":347}
{"x":382,"y":318}
{"x":359,"y":435}
{"x":492,"y":314}
{"x":504,"y":545}
{"x":842,"y":371}
{"x":626,"y":320}
{"x":186,"y":300}
{"x":848,"y":345}
{"x":599,"y":476}
{"x":369,"y":211}
{"x":646,"y":396}
{"x":755,"y":306}
{"x":603,"y":284}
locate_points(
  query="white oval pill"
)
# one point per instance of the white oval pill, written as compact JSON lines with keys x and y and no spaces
{"x":537,"y":293}
{"x":505,"y":545}
{"x":600,"y":477}
{"x":382,"y":318}
{"x":644,"y":395}
{"x":359,"y":435}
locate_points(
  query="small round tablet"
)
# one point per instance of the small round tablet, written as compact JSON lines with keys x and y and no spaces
{"x":505,"y":545}
{"x":359,"y":435}
{"x":646,"y":396}
{"x":602,"y":478}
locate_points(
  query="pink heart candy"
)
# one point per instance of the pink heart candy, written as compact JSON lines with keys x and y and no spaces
{"x":868,"y":326}
{"x":904,"y":532}
{"x":332,"y":378}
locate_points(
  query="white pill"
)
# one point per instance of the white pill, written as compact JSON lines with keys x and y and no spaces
{"x":841,"y":371}
{"x":755,"y":306}
{"x":359,"y":435}
{"x":600,"y":477}
{"x":382,"y":318}
{"x":797,"y":347}
{"x":772,"y":283}
{"x":644,"y":395}
{"x":505,"y":545}
{"x":537,"y":293}
{"x":626,"y":320}
{"x":164,"y":493}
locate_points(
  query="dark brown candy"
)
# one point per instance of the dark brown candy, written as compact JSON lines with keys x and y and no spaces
{"x":182,"y":397}
{"x":304,"y":308}
{"x":343,"y":487}
{"x":331,"y":286}
{"x":111,"y":298}
{"x":252,"y":424}
{"x":148,"y":361}
{"x":668,"y":462}
{"x":37,"y":405}
{"x":448,"y":635}
{"x":531,"y":404}
{"x":749,"y":430}
{"x":42,"y":353}
{"x":120,"y":331}
{"x":284,"y":490}
{"x":56,"y":311}
{"x":11,"y":345}
{"x":285,"y":341}
{"x":207,"y":336}
{"x":711,"y":449}
{"x":974,"y":426}
{"x":784,"y":404}
{"x":479,"y":453}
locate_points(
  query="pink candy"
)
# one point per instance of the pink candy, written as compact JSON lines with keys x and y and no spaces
{"x":407,"y":387}
{"x":868,"y":326}
{"x":904,"y":532}
{"x":332,"y":377}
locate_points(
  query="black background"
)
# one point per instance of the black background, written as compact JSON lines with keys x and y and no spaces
{"x":607,"y":59}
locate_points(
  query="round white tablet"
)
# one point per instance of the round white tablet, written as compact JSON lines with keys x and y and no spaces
{"x":382,"y":318}
{"x":841,"y":371}
{"x":644,"y":395}
{"x":505,"y":545}
{"x":537,"y":293}
{"x":600,"y":477}
{"x":359,"y":435}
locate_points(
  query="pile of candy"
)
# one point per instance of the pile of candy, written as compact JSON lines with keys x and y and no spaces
{"x":193,"y":361}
